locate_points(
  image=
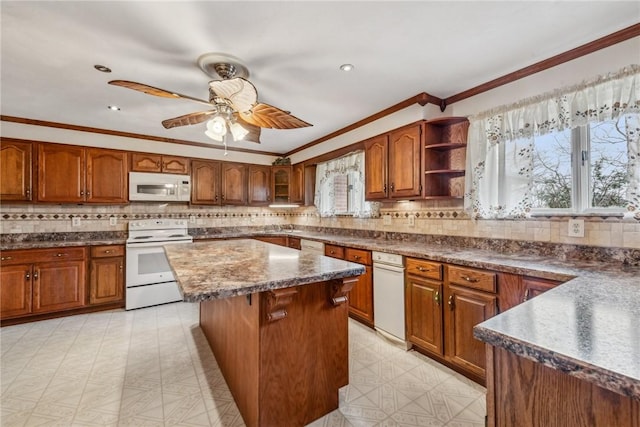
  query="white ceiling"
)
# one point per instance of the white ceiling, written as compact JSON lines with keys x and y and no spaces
{"x":292,"y":49}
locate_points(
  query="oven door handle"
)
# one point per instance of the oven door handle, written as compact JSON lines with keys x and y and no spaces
{"x":156,"y":244}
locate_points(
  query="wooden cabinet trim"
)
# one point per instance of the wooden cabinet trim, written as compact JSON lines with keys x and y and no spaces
{"x":334,"y":251}
{"x":471,"y":278}
{"x":360,"y":256}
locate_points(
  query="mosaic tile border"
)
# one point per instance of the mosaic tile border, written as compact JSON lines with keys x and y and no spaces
{"x":129,"y":216}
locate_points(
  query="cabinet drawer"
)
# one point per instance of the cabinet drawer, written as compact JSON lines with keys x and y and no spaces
{"x":422,"y":268}
{"x":334,"y":251}
{"x":477,"y":279}
{"x":360,"y":256}
{"x":107,"y":251}
{"x":42,"y":255}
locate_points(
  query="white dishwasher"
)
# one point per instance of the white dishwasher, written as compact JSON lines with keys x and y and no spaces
{"x":388,"y":296}
{"x":312,"y":246}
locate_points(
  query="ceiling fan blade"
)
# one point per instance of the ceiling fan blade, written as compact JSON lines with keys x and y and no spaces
{"x":188,"y":119}
{"x":150,"y":90}
{"x":240,"y":92}
{"x":254,"y":131}
{"x":268,"y":116}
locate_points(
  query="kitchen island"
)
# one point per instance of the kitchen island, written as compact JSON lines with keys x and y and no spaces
{"x":276,"y":320}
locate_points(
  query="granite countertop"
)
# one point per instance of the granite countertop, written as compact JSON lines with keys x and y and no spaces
{"x":226,"y":268}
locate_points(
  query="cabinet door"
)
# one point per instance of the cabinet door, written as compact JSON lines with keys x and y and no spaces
{"x":361,"y":297}
{"x":15,"y":291}
{"x":205,"y":182}
{"x":15,"y":171}
{"x":107,"y":176}
{"x":404,"y":162}
{"x":281,"y":184}
{"x":534,"y":286}
{"x":107,"y":280}
{"x":466,"y":308}
{"x":58,"y":286}
{"x":375,"y":168}
{"x":259,"y":185}
{"x":142,"y":162}
{"x":276,"y":240}
{"x":61,"y":173}
{"x":178,"y":165}
{"x":296,"y":191}
{"x":424,"y":314}
{"x":234,"y":184}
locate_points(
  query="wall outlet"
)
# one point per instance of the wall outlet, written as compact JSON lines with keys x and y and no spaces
{"x":75,"y":221}
{"x":576,"y":228}
{"x":386,"y":219}
{"x":411,"y":221}
{"x":113,"y":220}
{"x":192,"y":219}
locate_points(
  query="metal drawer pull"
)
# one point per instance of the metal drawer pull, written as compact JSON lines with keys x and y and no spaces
{"x":108,"y":251}
{"x":35,"y":275}
{"x":356,"y":257}
{"x":470,"y":279}
{"x":28,"y":276}
{"x":451,"y":302}
{"x":436,"y":298}
{"x":424,"y":270}
{"x":6,"y":258}
{"x":60,"y":254}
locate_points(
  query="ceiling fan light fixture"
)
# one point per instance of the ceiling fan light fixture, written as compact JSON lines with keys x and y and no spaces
{"x":217,"y":128}
{"x":238,"y":131}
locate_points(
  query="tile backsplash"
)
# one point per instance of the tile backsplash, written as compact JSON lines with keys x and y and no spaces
{"x":449,"y":221}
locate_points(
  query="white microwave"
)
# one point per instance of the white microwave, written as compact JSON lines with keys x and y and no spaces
{"x":159,"y":187}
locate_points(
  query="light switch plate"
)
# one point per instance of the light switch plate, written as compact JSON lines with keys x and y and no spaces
{"x":386,"y":219}
{"x":411,"y":221}
{"x":75,"y":221}
{"x":113,"y":220}
{"x":192,"y":219}
{"x":576,"y":228}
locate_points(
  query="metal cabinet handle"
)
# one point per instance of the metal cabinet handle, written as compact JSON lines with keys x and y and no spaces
{"x":35,"y":274}
{"x":392,"y":186}
{"x":120,"y":267}
{"x":451,"y":303}
{"x":332,"y":252}
{"x":436,"y":298}
{"x":424,"y":270}
{"x":28,"y":192}
{"x":526,"y":295}
{"x":6,"y":258}
{"x":88,"y":193}
{"x":384,"y":188}
{"x":222,"y":197}
{"x":60,"y":254}
{"x":107,"y":251}
{"x":28,"y":276}
{"x":356,"y":257}
{"x":470,"y":279}
{"x":81,"y":193}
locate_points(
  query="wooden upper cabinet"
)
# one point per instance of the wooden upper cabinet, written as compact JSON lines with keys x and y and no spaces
{"x":259,"y":185}
{"x":404,"y":176}
{"x":281,"y":184}
{"x":15,"y":171}
{"x":178,"y":165}
{"x":107,"y":179}
{"x":375,"y":167}
{"x":234,"y":184}
{"x":61,"y":173}
{"x":144,"y":162}
{"x":296,"y":192}
{"x":205,"y":182}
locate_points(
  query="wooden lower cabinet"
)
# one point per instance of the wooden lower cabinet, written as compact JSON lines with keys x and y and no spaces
{"x":533,"y":286}
{"x":276,"y":240}
{"x":41,"y":283}
{"x":15,"y":290}
{"x":361,"y":298}
{"x":106,"y":281}
{"x":424,"y":314}
{"x":465,"y":309}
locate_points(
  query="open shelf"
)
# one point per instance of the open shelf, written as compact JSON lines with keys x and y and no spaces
{"x":444,"y":158}
{"x":445,"y":146}
{"x":445,"y":172}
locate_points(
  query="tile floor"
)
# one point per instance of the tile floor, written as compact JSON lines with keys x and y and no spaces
{"x":153,"y":367}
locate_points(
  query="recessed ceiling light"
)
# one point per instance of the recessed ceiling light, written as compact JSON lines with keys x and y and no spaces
{"x":346,"y":67}
{"x":113,"y":108}
{"x":102,"y":68}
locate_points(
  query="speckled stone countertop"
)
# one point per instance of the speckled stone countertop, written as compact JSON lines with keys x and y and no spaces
{"x":226,"y":268}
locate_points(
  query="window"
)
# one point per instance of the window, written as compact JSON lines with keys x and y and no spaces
{"x":340,"y":187}
{"x":581,"y":170}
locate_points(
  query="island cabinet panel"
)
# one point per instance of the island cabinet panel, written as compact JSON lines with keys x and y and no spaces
{"x":521,"y":392}
{"x":283,"y":353}
{"x":15,"y":171}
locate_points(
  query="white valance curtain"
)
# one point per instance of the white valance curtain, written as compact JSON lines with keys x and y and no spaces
{"x":500,"y":142}
{"x":333,"y":172}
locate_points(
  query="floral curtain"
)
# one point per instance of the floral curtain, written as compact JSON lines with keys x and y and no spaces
{"x":332,"y":172}
{"x":501,"y":141}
